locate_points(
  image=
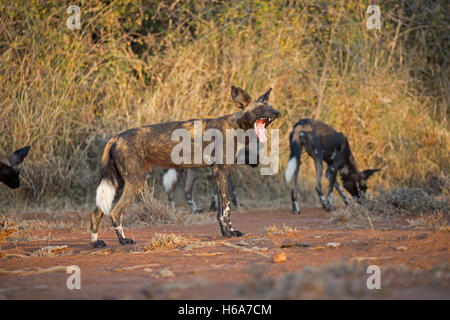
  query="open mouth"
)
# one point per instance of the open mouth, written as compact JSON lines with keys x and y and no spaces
{"x":260,"y":126}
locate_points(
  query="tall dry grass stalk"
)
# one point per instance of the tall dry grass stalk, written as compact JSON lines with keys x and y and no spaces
{"x":134,"y":63}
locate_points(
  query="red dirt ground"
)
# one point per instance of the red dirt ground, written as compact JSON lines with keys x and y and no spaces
{"x":213,"y":267}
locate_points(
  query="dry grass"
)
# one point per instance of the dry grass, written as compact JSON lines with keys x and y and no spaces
{"x":395,"y":203}
{"x":51,"y":251}
{"x":7,"y":229}
{"x":415,"y":201}
{"x":166,"y":241}
{"x":278,"y":230}
{"x":135,"y":63}
{"x":436,"y":221}
{"x":353,"y":215}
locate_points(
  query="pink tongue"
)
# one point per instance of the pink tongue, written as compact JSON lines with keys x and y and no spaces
{"x":260,"y":130}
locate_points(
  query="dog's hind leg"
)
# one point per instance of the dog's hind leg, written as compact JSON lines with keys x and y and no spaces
{"x":294,"y":194}
{"x":188,"y":190}
{"x":293,"y":168}
{"x":133,"y":185}
{"x":96,"y":216}
{"x":223,"y":208}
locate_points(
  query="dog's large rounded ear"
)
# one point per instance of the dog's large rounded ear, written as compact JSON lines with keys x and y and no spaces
{"x":240,"y":97}
{"x":367,"y":173}
{"x":17,"y":157}
{"x":265,"y":96}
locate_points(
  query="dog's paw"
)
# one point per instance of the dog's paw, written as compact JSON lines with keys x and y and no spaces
{"x":295,"y":208}
{"x":326,"y":205}
{"x":234,"y":233}
{"x":98,"y":244}
{"x":237,"y":233}
{"x":125,"y":241}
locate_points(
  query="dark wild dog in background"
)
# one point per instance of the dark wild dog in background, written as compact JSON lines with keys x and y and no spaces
{"x":128,"y":157}
{"x":171,"y":177}
{"x":9,"y":167}
{"x":323,"y":143}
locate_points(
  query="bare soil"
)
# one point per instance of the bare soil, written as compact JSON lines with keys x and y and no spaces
{"x":316,"y":260}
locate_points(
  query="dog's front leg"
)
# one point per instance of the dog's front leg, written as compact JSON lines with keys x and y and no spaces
{"x":223,"y":208}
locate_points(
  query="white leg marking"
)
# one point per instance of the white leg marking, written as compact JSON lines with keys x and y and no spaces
{"x":344,"y":170}
{"x":323,"y":200}
{"x":169,"y":178}
{"x":105,"y":196}
{"x":193,"y":205}
{"x":296,"y":206}
{"x":290,"y":169}
{"x":120,"y":230}
{"x":94,"y":237}
{"x":330,"y":199}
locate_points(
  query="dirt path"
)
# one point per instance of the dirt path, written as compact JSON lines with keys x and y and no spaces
{"x":208,"y":266}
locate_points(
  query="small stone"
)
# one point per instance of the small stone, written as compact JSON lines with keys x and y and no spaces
{"x":280,"y":257}
{"x":333,"y":245}
{"x":402,"y":248}
{"x":166,"y":273}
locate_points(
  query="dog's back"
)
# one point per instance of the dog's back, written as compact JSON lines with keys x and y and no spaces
{"x":318,"y":137}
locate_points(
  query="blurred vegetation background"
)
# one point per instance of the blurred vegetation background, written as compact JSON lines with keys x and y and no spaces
{"x":66,"y":92}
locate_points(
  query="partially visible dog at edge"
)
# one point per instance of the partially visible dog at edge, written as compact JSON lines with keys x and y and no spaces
{"x":323,"y":143}
{"x":128,"y":157}
{"x":9,"y":167}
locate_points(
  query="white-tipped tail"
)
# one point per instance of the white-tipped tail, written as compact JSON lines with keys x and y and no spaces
{"x":105,"y":196}
{"x":291,"y":167}
{"x":169,"y":178}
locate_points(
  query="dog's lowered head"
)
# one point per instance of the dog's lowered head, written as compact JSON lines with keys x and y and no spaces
{"x":355,"y":182}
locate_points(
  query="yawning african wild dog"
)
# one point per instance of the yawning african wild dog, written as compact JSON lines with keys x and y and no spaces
{"x":128,"y":157}
{"x":323,"y":143}
{"x":9,"y":167}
